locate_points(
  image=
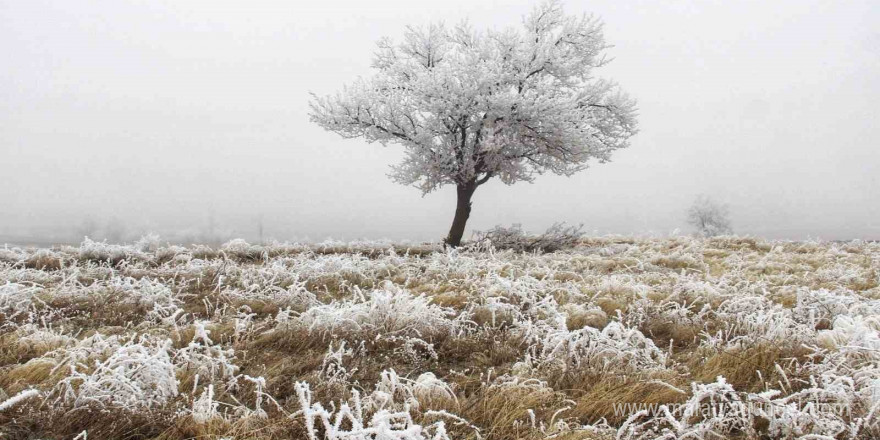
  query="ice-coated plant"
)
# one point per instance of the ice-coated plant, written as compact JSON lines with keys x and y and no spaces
{"x":260,"y":395}
{"x":614,"y":348}
{"x":101,"y":251}
{"x":241,"y":249}
{"x":19,"y":398}
{"x":45,"y":337}
{"x":853,"y":331}
{"x":387,"y":311}
{"x":333,"y":369}
{"x":555,"y":238}
{"x":392,"y":419}
{"x":392,"y":392}
{"x":713,"y":410}
{"x":749,"y":320}
{"x":210,"y":361}
{"x":163,"y":304}
{"x":427,"y":387}
{"x":277,"y":282}
{"x":822,"y":306}
{"x":469,"y":105}
{"x":205,"y":408}
{"x":16,"y":299}
{"x":244,"y":323}
{"x":138,"y":376}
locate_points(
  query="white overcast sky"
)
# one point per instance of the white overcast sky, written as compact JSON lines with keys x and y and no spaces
{"x":160,"y":113}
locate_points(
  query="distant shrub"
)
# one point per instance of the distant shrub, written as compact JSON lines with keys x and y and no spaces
{"x":709,"y":217}
{"x":555,"y":238}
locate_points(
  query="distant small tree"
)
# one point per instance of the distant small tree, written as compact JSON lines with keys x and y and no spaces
{"x":468,"y":106}
{"x":709,"y":217}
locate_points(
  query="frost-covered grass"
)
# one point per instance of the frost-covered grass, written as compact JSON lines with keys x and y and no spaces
{"x":615,"y":338}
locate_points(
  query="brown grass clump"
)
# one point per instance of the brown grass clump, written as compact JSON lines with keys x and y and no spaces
{"x":578,"y":317}
{"x":32,"y":420}
{"x":43,"y":259}
{"x":741,"y":367}
{"x":503,"y":410}
{"x":611,"y":306}
{"x":678,"y":263}
{"x":247,"y":429}
{"x":681,"y":334}
{"x":597,"y":395}
{"x":34,"y":372}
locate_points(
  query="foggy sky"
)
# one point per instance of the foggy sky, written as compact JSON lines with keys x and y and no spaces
{"x":168,"y":115}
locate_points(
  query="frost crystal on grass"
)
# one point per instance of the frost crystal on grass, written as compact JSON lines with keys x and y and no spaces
{"x":389,"y":311}
{"x":136,"y":376}
{"x":614,"y":348}
{"x":720,"y":337}
{"x":392,"y":419}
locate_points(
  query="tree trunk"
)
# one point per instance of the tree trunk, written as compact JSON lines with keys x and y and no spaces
{"x":462,"y":212}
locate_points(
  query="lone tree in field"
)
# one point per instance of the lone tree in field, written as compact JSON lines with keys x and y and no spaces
{"x":468,"y":106}
{"x":709,"y":217}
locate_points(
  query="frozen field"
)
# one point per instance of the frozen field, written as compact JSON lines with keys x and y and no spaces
{"x":618,"y":338}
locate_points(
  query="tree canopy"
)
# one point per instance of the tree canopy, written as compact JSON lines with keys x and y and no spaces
{"x":471,"y":105}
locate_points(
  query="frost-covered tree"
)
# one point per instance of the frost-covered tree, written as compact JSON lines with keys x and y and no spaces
{"x":471,"y":105}
{"x":709,"y":217}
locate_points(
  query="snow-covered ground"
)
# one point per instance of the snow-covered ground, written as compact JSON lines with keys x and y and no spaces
{"x":617,"y":338}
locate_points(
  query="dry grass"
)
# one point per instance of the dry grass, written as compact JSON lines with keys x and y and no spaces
{"x":742,"y":308}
